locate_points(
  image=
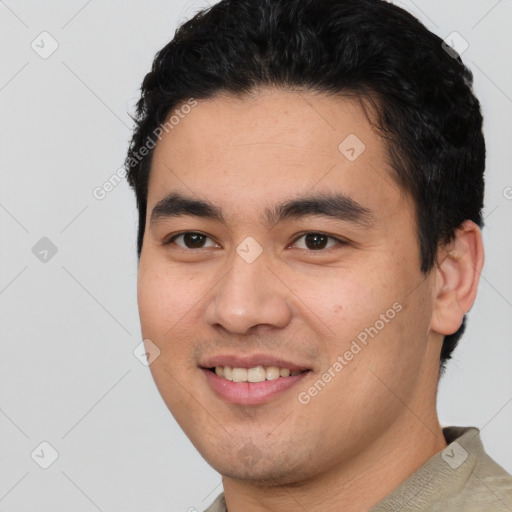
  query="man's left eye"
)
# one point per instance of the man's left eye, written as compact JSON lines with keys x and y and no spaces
{"x":316,"y":241}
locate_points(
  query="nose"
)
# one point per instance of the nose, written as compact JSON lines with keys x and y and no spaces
{"x":249,"y":295}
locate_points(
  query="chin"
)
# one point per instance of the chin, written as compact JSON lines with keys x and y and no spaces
{"x":265,"y":472}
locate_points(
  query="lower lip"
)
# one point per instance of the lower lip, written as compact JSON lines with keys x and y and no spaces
{"x":251,"y":393}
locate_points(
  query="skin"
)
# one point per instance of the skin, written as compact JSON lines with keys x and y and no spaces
{"x":375,"y":422}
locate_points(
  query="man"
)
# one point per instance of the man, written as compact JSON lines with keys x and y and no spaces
{"x":309,"y":178}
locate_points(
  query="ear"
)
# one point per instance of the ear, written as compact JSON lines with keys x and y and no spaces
{"x":458,"y":268}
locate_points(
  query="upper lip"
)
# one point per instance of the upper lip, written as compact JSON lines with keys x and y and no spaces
{"x":251,"y":361}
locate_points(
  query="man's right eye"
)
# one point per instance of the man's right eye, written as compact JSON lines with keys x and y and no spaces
{"x":191,"y":240}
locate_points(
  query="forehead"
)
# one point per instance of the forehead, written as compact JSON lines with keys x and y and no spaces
{"x":254,"y":150}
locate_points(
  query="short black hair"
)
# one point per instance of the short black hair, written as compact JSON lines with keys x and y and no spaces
{"x":372,"y":50}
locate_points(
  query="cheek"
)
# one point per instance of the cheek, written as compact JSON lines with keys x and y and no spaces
{"x":164,"y":297}
{"x":370,"y":305}
{"x":154,"y":304}
{"x":346,"y":301}
{"x":166,"y":310}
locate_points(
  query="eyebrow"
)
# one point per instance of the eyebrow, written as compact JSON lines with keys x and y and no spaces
{"x":335,"y":205}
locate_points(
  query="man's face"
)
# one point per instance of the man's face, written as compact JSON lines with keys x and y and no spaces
{"x":260,"y":278}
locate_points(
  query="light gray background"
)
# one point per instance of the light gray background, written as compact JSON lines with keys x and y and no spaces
{"x":69,"y":325}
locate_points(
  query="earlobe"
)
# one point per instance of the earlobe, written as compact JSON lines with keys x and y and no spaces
{"x":458,"y":270}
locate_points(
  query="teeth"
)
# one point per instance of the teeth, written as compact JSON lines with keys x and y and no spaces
{"x":272,"y":373}
{"x":240,"y":374}
{"x":256,"y":374}
{"x":228,"y":372}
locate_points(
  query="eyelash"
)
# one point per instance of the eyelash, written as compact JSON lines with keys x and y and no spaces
{"x":339,"y":242}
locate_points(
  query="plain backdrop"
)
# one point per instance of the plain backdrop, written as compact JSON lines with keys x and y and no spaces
{"x":68,"y":312}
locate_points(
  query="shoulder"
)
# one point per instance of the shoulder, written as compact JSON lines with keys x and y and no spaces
{"x":219,"y":505}
{"x":489,"y":486}
{"x":460,"y":477}
{"x":474,"y":482}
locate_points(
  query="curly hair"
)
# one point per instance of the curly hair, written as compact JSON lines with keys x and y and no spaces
{"x":418,"y":87}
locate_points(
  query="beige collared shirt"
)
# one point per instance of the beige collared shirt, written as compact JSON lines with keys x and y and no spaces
{"x":461,"y":478}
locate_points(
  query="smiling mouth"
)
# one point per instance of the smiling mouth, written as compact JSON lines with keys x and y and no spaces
{"x":255,"y":374}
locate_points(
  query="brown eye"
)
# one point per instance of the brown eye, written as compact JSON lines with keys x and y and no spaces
{"x":316,"y":241}
{"x":192,"y":240}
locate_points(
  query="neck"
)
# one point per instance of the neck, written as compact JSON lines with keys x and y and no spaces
{"x":354,"y":485}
